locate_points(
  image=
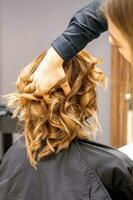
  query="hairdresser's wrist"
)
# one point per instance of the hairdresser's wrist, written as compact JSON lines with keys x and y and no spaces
{"x":53,"y":58}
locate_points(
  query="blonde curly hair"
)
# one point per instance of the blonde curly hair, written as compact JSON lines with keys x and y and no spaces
{"x":50,"y":127}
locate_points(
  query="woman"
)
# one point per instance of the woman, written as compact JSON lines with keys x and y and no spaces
{"x":56,"y":159}
{"x":87,"y":24}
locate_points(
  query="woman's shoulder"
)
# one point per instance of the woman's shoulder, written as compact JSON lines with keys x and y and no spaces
{"x":14,"y":158}
{"x":17,"y":150}
{"x":112,"y":166}
{"x":103,"y":151}
{"x":17,"y":176}
{"x":97,"y":153}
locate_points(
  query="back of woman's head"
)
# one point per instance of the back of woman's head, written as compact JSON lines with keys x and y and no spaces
{"x":50,"y":126}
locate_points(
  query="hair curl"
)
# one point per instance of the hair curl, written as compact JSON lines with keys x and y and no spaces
{"x":49,"y":128}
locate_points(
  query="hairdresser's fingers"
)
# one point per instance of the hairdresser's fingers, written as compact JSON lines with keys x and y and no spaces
{"x":38,"y":91}
{"x":31,"y":77}
{"x":66,"y":88}
{"x":46,"y":98}
{"x":30,"y":88}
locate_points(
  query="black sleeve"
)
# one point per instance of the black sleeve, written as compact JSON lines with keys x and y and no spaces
{"x":86,"y":24}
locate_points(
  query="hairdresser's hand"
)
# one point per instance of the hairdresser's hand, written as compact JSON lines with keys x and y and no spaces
{"x":49,"y":73}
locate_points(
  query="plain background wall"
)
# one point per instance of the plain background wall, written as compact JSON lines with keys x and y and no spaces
{"x":28,"y":27}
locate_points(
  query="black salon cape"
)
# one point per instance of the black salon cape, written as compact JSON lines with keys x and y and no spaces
{"x":84,"y":171}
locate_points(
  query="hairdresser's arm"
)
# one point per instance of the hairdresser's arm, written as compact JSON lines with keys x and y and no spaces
{"x":86,"y":25}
